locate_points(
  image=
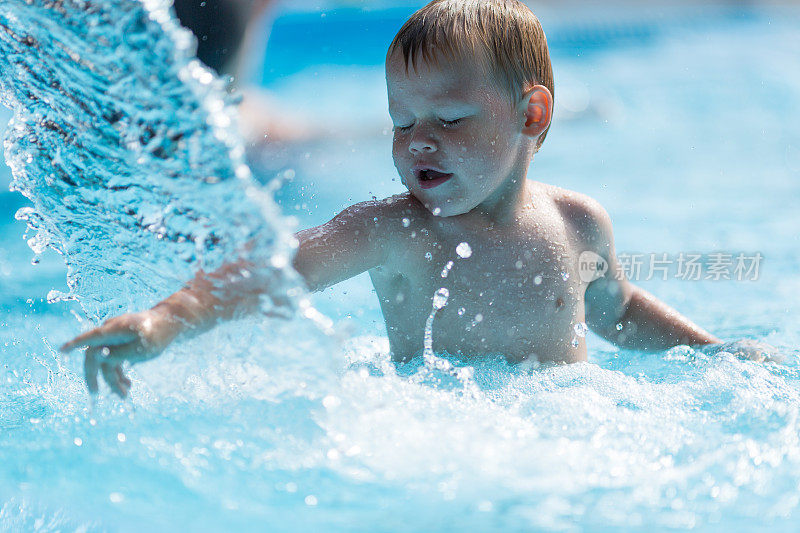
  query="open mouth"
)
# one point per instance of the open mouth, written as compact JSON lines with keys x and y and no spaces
{"x":429,"y":178}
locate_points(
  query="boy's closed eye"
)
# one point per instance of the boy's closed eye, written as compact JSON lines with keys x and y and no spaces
{"x":451,"y":123}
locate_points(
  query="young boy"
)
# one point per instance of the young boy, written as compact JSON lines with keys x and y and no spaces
{"x":471,"y":97}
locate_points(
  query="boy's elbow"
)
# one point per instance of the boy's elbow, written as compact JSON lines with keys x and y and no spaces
{"x":607,"y":304}
{"x":306,"y":268}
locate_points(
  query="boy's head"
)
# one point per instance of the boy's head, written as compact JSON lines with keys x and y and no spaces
{"x":473,"y":77}
{"x":504,"y":36}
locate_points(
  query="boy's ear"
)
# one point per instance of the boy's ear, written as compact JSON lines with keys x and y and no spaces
{"x":538,"y":109}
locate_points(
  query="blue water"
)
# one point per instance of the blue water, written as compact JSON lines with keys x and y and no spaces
{"x":682,"y":123}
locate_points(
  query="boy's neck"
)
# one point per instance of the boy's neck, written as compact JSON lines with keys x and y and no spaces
{"x":503,"y":207}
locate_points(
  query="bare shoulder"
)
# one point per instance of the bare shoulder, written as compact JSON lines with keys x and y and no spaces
{"x":403,"y":205}
{"x":373,"y":212}
{"x":372,"y":219}
{"x":583,"y":213}
{"x":393,"y":207}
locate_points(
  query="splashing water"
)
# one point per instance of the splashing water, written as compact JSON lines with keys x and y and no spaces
{"x":440,"y":298}
{"x":580,"y":329}
{"x":129,"y":169}
{"x":463,"y":250}
{"x":244,"y":427}
{"x":432,"y":361}
{"x":439,"y":301}
{"x":447,"y":268}
{"x":128,"y":150}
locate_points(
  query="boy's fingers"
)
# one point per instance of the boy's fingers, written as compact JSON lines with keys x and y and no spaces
{"x":112,"y":379}
{"x":133,"y":352}
{"x":124,"y":382}
{"x":90,"y":367}
{"x":112,"y":374}
{"x":123,"y":379}
{"x":100,"y":337}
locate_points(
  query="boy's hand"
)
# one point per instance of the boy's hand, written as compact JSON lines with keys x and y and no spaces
{"x":132,"y":337}
{"x":751,"y":350}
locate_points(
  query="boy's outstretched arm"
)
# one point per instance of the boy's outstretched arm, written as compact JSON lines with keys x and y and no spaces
{"x":353,"y":242}
{"x":342,"y":248}
{"x":617,"y":310}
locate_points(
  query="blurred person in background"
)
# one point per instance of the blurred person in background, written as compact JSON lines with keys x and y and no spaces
{"x":231,"y":40}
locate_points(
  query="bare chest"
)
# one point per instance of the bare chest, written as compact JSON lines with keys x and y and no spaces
{"x":515,"y":294}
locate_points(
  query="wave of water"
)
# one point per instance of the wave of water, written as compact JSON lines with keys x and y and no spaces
{"x":126,"y":149}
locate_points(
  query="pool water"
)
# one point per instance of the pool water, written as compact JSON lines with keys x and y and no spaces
{"x":683,"y":123}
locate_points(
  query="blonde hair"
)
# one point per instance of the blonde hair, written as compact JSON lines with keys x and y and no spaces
{"x":505,"y":34}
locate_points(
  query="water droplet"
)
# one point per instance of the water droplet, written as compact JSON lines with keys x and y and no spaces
{"x":57,"y":296}
{"x":465,"y":373}
{"x":279,"y":260}
{"x":406,"y":222}
{"x":77,"y":441}
{"x":537,"y":280}
{"x":518,"y":265}
{"x":428,"y":256}
{"x":331,"y":402}
{"x":461,"y":311}
{"x":580,"y":329}
{"x":446,"y":269}
{"x":436,"y":211}
{"x":478,"y":317}
{"x":575,"y":342}
{"x":440,"y":298}
{"x":619,"y":326}
{"x":565,"y":276}
{"x":463,"y":250}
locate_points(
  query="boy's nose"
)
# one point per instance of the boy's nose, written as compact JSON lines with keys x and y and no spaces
{"x":421,"y":142}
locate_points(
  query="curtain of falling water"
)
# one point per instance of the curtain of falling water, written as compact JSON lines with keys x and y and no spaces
{"x":128,"y":150}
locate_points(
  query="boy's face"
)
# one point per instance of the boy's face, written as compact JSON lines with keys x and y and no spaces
{"x":458,"y":140}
